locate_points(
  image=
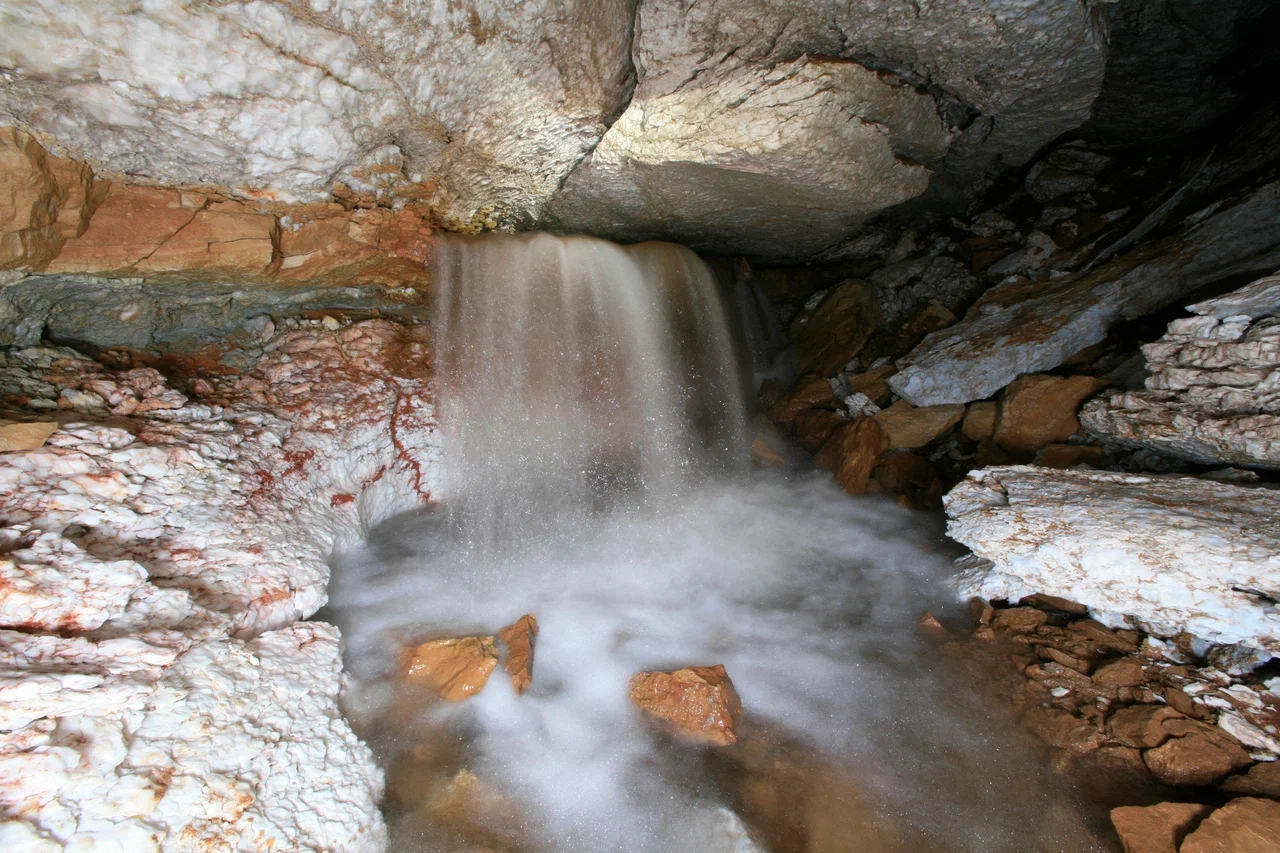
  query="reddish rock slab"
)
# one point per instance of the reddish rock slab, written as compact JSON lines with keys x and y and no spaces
{"x":979,"y":421}
{"x":1244,"y":825}
{"x":519,"y":638}
{"x":1141,"y":726}
{"x":43,"y":200}
{"x":129,"y":225}
{"x":25,"y":435}
{"x":699,"y":701}
{"x":1262,"y":780}
{"x":910,"y":427}
{"x":826,"y":340}
{"x":810,"y":392}
{"x":1198,"y":754}
{"x":1156,"y":829}
{"x":457,"y":668}
{"x":226,"y":237}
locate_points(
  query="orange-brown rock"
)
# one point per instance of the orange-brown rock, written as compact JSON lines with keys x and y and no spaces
{"x":832,"y":335}
{"x":810,"y":392}
{"x":1141,"y":726}
{"x":812,"y":427}
{"x":1039,"y":409}
{"x":852,"y":453}
{"x":225,"y":237}
{"x":1156,"y":829}
{"x":904,"y":473}
{"x":43,"y":201}
{"x":475,"y":810}
{"x":930,"y":623}
{"x":1198,"y":754}
{"x":764,"y":456}
{"x":1063,"y":730}
{"x":457,"y":668}
{"x":25,"y":435}
{"x":519,"y":638}
{"x":979,"y":421}
{"x":910,"y":427}
{"x":1070,"y":455}
{"x":359,"y":245}
{"x":699,"y":701}
{"x":129,"y":225}
{"x":1126,"y":672}
{"x":1019,"y":620}
{"x":874,"y":384}
{"x":1244,"y":825}
{"x":1262,"y":780}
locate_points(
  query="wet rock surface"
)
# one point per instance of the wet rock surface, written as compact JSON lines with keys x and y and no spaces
{"x":698,"y":701}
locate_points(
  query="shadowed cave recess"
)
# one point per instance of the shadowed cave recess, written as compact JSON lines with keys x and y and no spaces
{"x":734,"y":426}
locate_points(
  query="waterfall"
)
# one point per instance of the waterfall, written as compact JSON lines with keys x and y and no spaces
{"x":575,"y":375}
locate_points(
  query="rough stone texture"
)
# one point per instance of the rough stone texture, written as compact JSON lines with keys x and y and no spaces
{"x":1037,"y":410}
{"x":43,"y":201}
{"x":1214,"y":390}
{"x":156,"y":689}
{"x":791,"y":157}
{"x":457,"y":668}
{"x":519,"y":638}
{"x":699,"y":701}
{"x":911,"y":427}
{"x":480,"y":109}
{"x":835,"y":331}
{"x":1020,"y":326}
{"x":852,"y":452}
{"x":1156,"y":829}
{"x":25,"y":435}
{"x":1244,"y":825}
{"x":1175,"y":553}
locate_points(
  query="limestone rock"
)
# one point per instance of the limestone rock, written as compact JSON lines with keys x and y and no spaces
{"x":456,"y":667}
{"x":912,"y":427}
{"x":699,"y":701}
{"x":1176,"y":553}
{"x":1214,"y":391}
{"x":1156,"y":829}
{"x":483,"y":111}
{"x":1039,"y":409}
{"x":25,"y":435}
{"x":224,"y":238}
{"x":852,"y":453}
{"x":773,"y":160}
{"x":519,"y":638}
{"x":129,"y":225}
{"x":1019,"y":326}
{"x":1244,"y":825}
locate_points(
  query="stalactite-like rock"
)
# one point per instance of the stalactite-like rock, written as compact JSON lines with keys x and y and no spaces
{"x":1214,"y":391}
{"x":1175,"y":553}
{"x":158,"y":550}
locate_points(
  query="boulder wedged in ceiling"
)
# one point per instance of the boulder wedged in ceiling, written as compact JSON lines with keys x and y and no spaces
{"x":795,"y":156}
{"x":479,"y":110}
{"x":732,"y":145}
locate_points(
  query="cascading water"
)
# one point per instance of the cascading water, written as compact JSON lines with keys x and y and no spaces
{"x":595,"y":437}
{"x":575,"y":372}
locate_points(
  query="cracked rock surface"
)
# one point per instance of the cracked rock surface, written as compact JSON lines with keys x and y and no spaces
{"x":157,"y":691}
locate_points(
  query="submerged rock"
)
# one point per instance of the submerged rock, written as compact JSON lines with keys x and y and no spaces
{"x":519,"y":638}
{"x":1175,"y":553}
{"x":1213,"y":394}
{"x":457,"y":667}
{"x":699,"y":701}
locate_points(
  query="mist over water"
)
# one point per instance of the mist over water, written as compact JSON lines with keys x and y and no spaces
{"x":595,"y":439}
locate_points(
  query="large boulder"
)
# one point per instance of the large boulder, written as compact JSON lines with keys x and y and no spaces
{"x":1214,"y":391}
{"x":1175,"y":553}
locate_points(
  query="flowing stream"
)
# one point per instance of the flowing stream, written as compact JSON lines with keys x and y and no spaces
{"x":595,"y":450}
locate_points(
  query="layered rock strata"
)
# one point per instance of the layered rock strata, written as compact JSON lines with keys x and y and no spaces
{"x":1172,"y":554}
{"x":1213,"y":394}
{"x":157,"y":689}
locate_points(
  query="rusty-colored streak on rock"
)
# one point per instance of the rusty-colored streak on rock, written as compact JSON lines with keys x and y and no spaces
{"x":458,"y":667}
{"x":852,"y":453}
{"x":519,"y":638}
{"x":699,"y":701}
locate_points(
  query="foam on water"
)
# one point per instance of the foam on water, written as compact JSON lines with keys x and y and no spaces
{"x":594,"y":435}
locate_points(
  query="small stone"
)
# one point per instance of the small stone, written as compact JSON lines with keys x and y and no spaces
{"x":911,"y":427}
{"x":930,"y":623}
{"x":330,"y":322}
{"x":812,"y":427}
{"x":852,"y":453}
{"x":902,"y":472}
{"x":699,"y":701}
{"x":1179,"y":701}
{"x":1140,"y":726}
{"x":457,"y":667}
{"x":1063,"y":730}
{"x":1244,"y":825}
{"x":25,"y":435}
{"x":981,"y":611}
{"x":874,"y":384}
{"x":764,"y":456}
{"x":1156,"y":829}
{"x":1019,"y":620}
{"x":810,"y":392}
{"x":519,"y":639}
{"x":1053,"y":602}
{"x":1070,"y":455}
